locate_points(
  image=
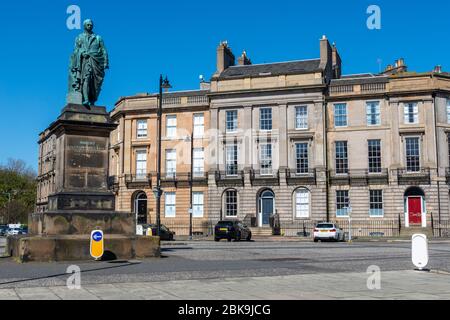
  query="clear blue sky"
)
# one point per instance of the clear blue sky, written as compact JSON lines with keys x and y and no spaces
{"x":179,"y":38}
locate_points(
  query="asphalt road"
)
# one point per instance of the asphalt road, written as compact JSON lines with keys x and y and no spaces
{"x":210,"y":260}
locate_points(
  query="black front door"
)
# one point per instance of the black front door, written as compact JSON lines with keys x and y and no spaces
{"x":267,"y":207}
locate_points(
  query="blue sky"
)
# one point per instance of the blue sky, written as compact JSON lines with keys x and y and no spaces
{"x":179,"y":38}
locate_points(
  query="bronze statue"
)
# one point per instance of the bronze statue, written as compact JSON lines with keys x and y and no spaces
{"x":87,"y":67}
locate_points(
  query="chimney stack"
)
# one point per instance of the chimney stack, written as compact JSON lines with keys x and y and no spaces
{"x":225,"y":57}
{"x":326,"y":58}
{"x":243,"y":60}
{"x":398,"y":67}
{"x":337,"y":62}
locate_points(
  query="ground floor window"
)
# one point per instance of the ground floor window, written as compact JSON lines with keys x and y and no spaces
{"x":198,"y":205}
{"x":376,"y":203}
{"x":302,"y":200}
{"x":231,"y":204}
{"x":170,"y":205}
{"x":342,"y":203}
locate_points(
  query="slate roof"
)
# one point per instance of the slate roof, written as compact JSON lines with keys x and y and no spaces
{"x":271,"y":69}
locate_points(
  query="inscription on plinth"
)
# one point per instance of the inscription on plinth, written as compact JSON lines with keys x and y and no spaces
{"x":86,"y":163}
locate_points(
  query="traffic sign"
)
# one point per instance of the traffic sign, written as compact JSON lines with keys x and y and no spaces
{"x":97,"y":244}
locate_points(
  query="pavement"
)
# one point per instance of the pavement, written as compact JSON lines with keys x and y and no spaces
{"x":240,"y":271}
{"x":395,"y":285}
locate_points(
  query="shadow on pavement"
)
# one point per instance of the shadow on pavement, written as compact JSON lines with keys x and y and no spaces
{"x":126,"y":264}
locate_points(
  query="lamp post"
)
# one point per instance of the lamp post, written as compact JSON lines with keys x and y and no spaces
{"x":191,"y":207}
{"x":9,"y":202}
{"x":163,"y":84}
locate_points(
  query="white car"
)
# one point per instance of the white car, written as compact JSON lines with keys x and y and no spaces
{"x":328,"y":231}
{"x":13,"y":232}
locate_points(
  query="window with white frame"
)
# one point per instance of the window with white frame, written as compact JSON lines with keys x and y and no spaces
{"x":340,"y":115}
{"x":232,"y":159}
{"x":302,"y":203}
{"x":171,"y":163}
{"x":199,"y":162}
{"x":199,"y":125}
{"x":341,"y":157}
{"x":374,"y":156}
{"x":171,"y":126}
{"x":301,"y":117}
{"x":170,"y":208}
{"x":301,"y":157}
{"x":342,"y":203}
{"x":231,"y":203}
{"x":265,"y":119}
{"x":376,"y":203}
{"x":231,"y":121}
{"x":141,"y":164}
{"x":197,"y":204}
{"x":373,"y":113}
{"x":448,"y":111}
{"x":266,"y":158}
{"x":412,"y":154}
{"x":142,"y":129}
{"x":411,"y":113}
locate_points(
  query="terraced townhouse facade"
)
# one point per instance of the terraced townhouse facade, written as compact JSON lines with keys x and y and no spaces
{"x":284,"y":145}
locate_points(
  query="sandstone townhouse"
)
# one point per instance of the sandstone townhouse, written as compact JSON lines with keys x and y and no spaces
{"x":283,"y":145}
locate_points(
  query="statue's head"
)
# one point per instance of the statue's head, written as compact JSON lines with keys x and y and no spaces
{"x":88,"y":25}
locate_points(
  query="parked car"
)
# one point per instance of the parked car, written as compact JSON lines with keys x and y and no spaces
{"x":165,"y":233}
{"x":328,"y":231}
{"x":3,"y":230}
{"x":232,"y":230}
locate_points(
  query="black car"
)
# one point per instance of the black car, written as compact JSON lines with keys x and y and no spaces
{"x":3,"y":230}
{"x":165,"y":233}
{"x":232,"y":230}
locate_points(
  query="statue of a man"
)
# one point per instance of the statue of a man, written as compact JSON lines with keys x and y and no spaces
{"x":87,"y":65}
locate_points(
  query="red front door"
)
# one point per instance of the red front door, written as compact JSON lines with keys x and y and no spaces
{"x":415,"y":210}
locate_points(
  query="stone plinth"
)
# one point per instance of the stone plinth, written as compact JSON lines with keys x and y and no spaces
{"x":76,"y":248}
{"x":80,"y":200}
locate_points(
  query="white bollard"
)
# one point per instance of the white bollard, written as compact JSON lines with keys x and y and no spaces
{"x":420,"y":251}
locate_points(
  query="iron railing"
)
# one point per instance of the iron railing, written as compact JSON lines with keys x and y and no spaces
{"x":225,"y":178}
{"x":265,"y":177}
{"x":359,"y":228}
{"x":293,"y":176}
{"x":407,"y":177}
{"x":138,"y":180}
{"x":359,"y":176}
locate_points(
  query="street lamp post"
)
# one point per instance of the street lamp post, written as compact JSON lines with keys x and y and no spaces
{"x":191,"y":212}
{"x":163,"y":84}
{"x":349,"y":213}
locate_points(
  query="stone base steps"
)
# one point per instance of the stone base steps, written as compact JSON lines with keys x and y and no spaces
{"x":409,"y":232}
{"x":261,"y":232}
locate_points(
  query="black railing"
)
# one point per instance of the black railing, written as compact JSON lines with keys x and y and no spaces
{"x":297,"y":177}
{"x":406,"y":176}
{"x":265,"y":177}
{"x":113,"y":183}
{"x":175,"y":178}
{"x":199,"y":178}
{"x":138,"y":180}
{"x":447,"y":175}
{"x":230,"y":178}
{"x":359,"y":228}
{"x":359,"y":176}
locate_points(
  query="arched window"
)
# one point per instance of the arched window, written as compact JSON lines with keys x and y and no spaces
{"x":231,"y":203}
{"x":302,"y":200}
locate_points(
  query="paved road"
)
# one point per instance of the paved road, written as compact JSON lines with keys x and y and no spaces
{"x":209,"y":260}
